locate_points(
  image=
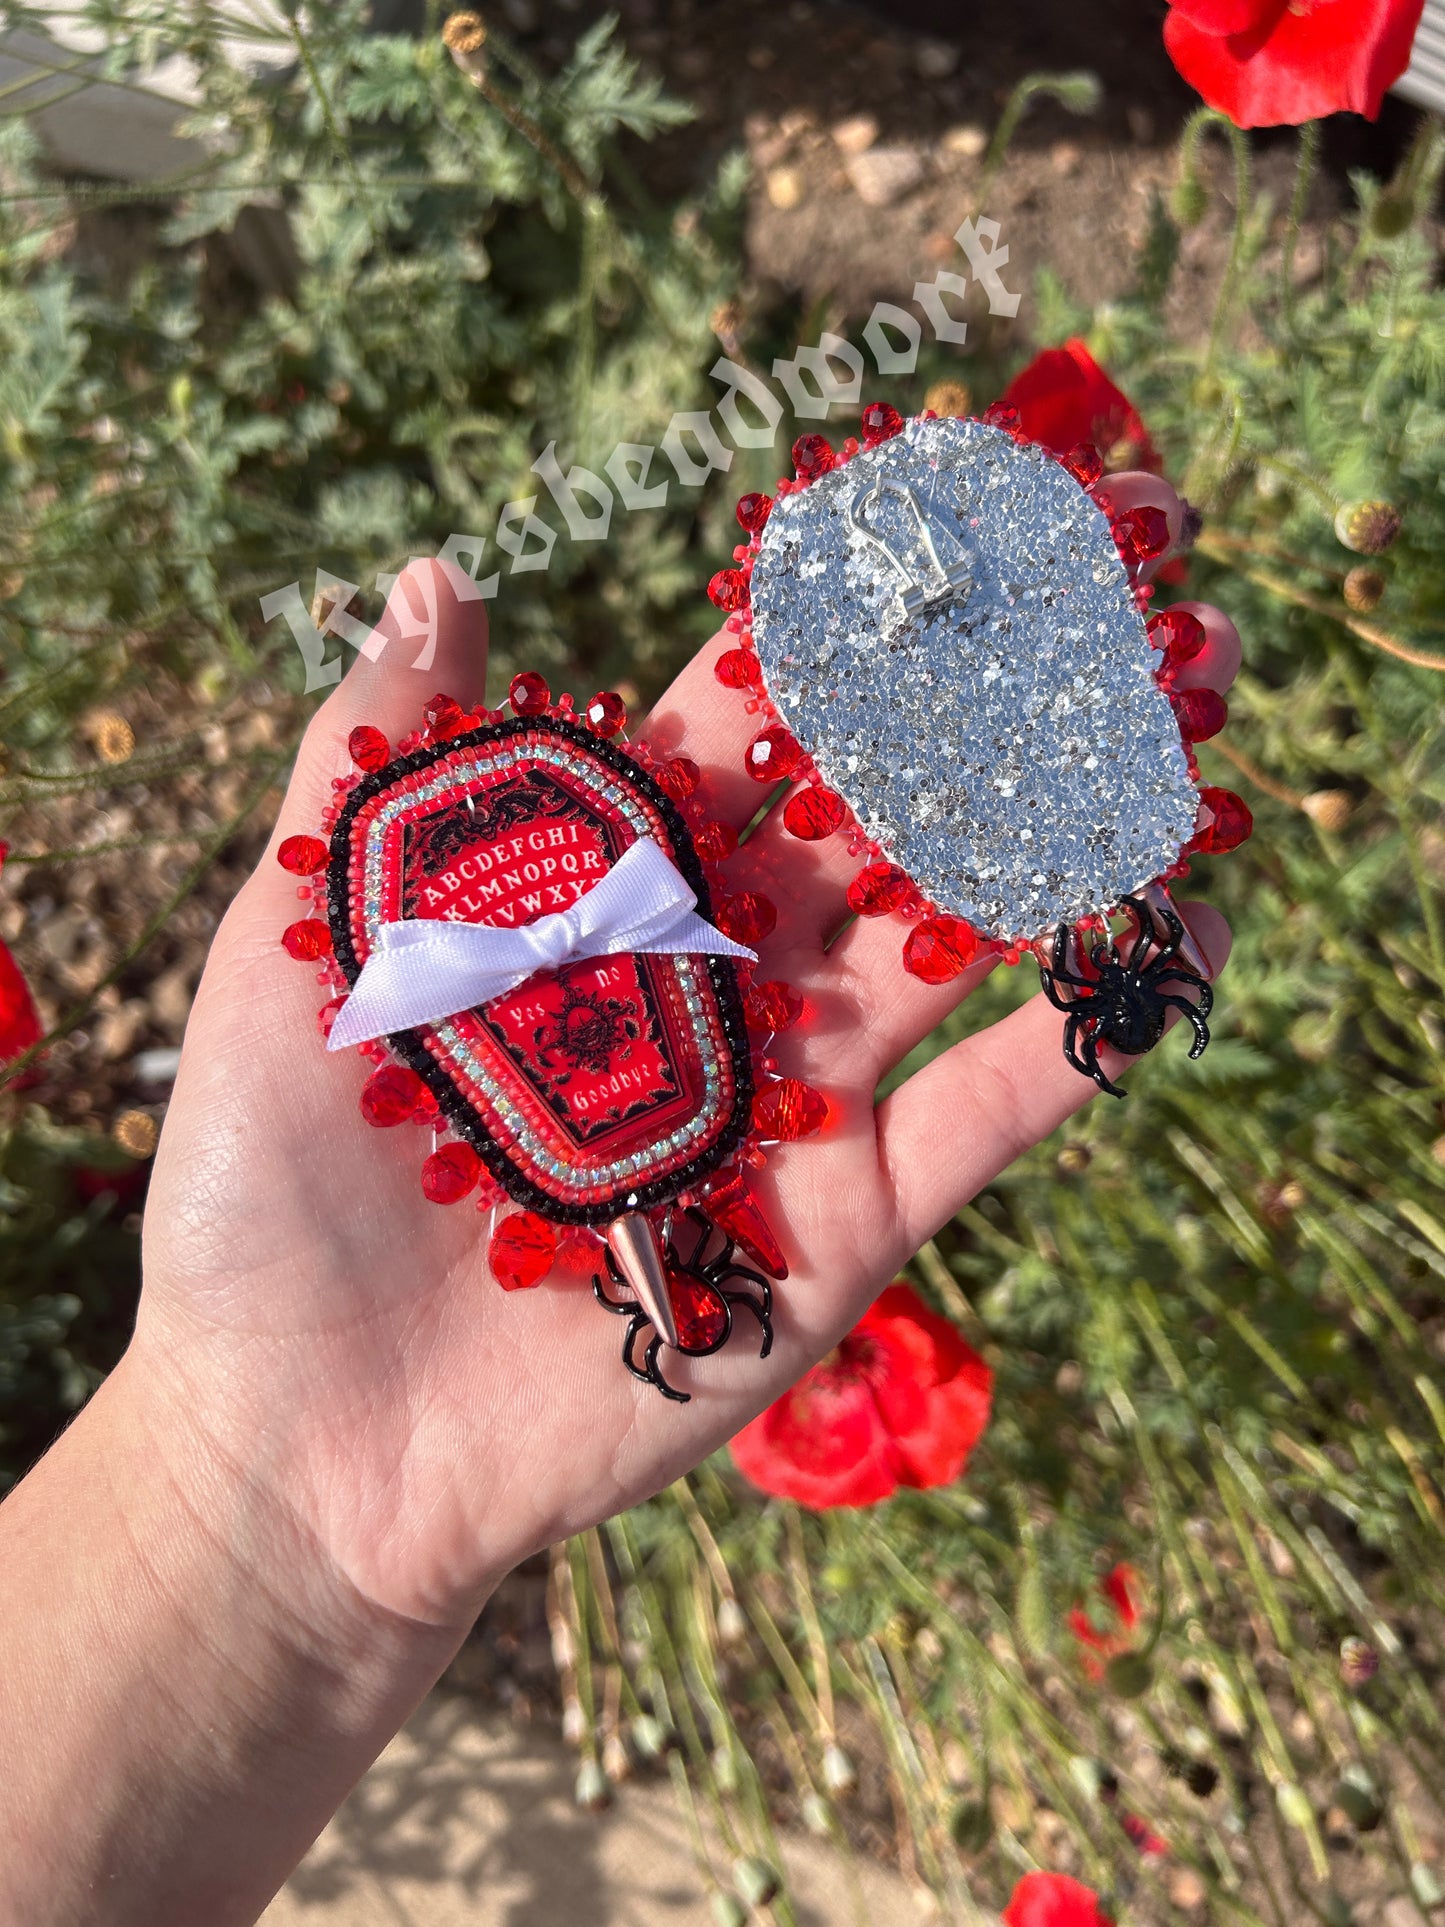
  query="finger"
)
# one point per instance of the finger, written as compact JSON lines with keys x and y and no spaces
{"x":807,"y":882}
{"x":966,"y":1116}
{"x":895,"y":1010}
{"x":1217,"y":664}
{"x":1136,"y":488}
{"x":700,"y":718}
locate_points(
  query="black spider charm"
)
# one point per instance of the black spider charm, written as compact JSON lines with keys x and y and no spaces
{"x":702,"y":1303}
{"x":1123,"y":1002}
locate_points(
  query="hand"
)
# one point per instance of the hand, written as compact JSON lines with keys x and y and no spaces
{"x":341,"y":1339}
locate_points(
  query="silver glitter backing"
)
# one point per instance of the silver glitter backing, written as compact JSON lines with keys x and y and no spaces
{"x":1008,"y":746}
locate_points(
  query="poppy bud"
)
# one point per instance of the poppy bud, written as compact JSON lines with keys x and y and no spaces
{"x":1189,"y":203}
{"x":1129,"y":1675}
{"x":1330,"y":810}
{"x":593,"y":1790}
{"x":757,"y":1883}
{"x":839,"y":1773}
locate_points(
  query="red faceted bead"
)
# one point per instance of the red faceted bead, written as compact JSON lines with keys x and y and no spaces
{"x":1002,"y":414}
{"x":1085,"y":464}
{"x":529,"y":694}
{"x":450,"y":1173}
{"x":368,"y":748}
{"x":1179,"y":634}
{"x":444,"y":717}
{"x":522,"y":1250}
{"x":879,"y":888}
{"x":747,"y":918}
{"x":728,"y":589}
{"x":715,"y":842}
{"x":772,"y":755}
{"x":753,"y":512}
{"x":1200,"y":713}
{"x":391,"y":1095}
{"x":307,"y":941}
{"x":772,"y":1006}
{"x":880,"y":422}
{"x":788,"y":1109}
{"x":738,"y":669}
{"x":327,"y":1015}
{"x":939,"y":948}
{"x":1142,"y":534}
{"x":1230,"y":825}
{"x":303,"y":856}
{"x":812,"y":457}
{"x":678,"y":778}
{"x":606,"y":713}
{"x":813,"y":813}
{"x":699,"y":1311}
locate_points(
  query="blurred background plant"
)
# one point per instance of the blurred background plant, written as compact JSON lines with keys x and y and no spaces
{"x":1176,"y":1630}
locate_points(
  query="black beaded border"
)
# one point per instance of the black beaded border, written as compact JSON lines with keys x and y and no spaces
{"x":407,"y":1046}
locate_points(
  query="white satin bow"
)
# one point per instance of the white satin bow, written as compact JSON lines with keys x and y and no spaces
{"x":422,"y":970}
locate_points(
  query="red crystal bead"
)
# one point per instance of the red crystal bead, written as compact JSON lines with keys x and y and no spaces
{"x":308,"y":940}
{"x":813,"y":813}
{"x":715,"y":842}
{"x":772,"y":755}
{"x":529,"y":694}
{"x":789,"y":1110}
{"x":879,"y":888}
{"x":734,"y":1209}
{"x":678,"y":778}
{"x":444,"y":717}
{"x":1142,"y":533}
{"x":368,"y":748}
{"x":522,"y":1250}
{"x":939,"y":948}
{"x":303,"y":856}
{"x":391,"y":1095}
{"x":699,"y":1311}
{"x":738,"y":669}
{"x":1085,"y":464}
{"x":1002,"y":414}
{"x":327,"y":1015}
{"x":747,"y":918}
{"x":813,"y":456}
{"x":1200,"y":713}
{"x":450,"y":1173}
{"x":1179,"y":634}
{"x":880,"y":422}
{"x":772,"y":1006}
{"x":753,"y":512}
{"x":1231,"y":822}
{"x":606,"y":713}
{"x":728,"y":589}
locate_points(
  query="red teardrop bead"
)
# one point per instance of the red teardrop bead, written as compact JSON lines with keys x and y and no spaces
{"x":1179,"y":634}
{"x":772,"y":755}
{"x":716,"y":842}
{"x":813,"y":456}
{"x":699,"y":1311}
{"x":1201,"y":713}
{"x":728,"y":589}
{"x":444,"y":717}
{"x":788,"y":1110}
{"x":1085,"y":464}
{"x":772,"y":1006}
{"x":303,"y":856}
{"x":368,"y":748}
{"x":450,"y":1173}
{"x":678,"y":778}
{"x":733,"y":1208}
{"x":308,"y":940}
{"x":814,"y":812}
{"x":1232,"y":822}
{"x":939,"y":948}
{"x":391,"y":1095}
{"x":738,"y":669}
{"x":606,"y":713}
{"x":879,"y":888}
{"x":879,"y":422}
{"x":529,"y":694}
{"x":747,"y":918}
{"x":522,"y":1250}
{"x":753,"y":512}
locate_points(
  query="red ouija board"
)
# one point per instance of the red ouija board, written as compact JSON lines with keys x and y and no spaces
{"x":613,"y":1082}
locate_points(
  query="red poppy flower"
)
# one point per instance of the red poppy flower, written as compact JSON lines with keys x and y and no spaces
{"x":19,"y":1024}
{"x":1064,"y":398}
{"x":902,"y":1401}
{"x":1273,"y":63}
{"x":1120,"y":1588}
{"x":1053,"y":1900}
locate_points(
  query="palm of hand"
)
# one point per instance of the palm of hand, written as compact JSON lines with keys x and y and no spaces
{"x":344,"y":1336}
